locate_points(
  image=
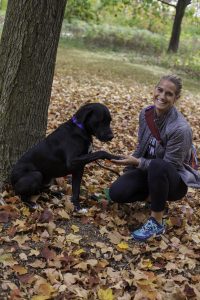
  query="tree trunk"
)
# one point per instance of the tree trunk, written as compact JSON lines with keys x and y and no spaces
{"x":176,"y":30}
{"x":27,"y":54}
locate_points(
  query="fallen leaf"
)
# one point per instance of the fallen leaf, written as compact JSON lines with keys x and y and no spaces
{"x":38,"y":264}
{"x":7,"y":260}
{"x":47,"y":253}
{"x":79,"y":252}
{"x":115,"y":237}
{"x":73,"y":238}
{"x":19,"y":269}
{"x":21,"y":239}
{"x":122,"y":246}
{"x":26,"y":278}
{"x":40,"y":297}
{"x":105,"y":294}
{"x":69,"y":279}
{"x":75,"y":228}
{"x":45,"y":289}
{"x":4,"y":217}
{"x":46,"y":216}
{"x":63,"y":214}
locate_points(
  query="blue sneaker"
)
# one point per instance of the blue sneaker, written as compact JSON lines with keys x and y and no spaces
{"x":149,"y":229}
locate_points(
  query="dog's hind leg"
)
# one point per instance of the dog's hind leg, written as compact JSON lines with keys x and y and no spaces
{"x":76,"y":183}
{"x":28,"y":185}
{"x":27,"y":201}
{"x":47,"y":188}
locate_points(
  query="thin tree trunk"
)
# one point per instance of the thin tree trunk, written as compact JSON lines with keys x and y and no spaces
{"x":176,"y":30}
{"x":27,"y":54}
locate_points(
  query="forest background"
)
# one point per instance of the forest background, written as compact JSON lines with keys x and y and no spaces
{"x":142,"y":29}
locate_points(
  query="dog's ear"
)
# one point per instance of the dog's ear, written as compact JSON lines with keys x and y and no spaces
{"x":84,"y":113}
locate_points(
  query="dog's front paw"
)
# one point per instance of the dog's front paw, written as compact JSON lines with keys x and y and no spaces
{"x":82,"y":211}
{"x":105,"y":155}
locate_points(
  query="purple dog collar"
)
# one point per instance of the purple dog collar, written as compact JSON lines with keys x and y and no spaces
{"x":74,"y":120}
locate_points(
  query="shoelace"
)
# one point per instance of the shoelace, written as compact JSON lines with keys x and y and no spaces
{"x":149,"y":225}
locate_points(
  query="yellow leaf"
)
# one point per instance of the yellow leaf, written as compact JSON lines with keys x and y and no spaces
{"x":78,"y":252}
{"x":168,"y":222}
{"x":25,"y":211}
{"x":75,"y":228}
{"x":122,"y":246}
{"x":147,"y":263}
{"x":105,"y":294}
{"x":40,"y":297}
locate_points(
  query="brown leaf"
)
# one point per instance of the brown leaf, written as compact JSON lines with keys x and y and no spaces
{"x":19,"y":269}
{"x":12,"y":200}
{"x":4,"y":217}
{"x":48,"y":254}
{"x":45,"y":289}
{"x":72,"y":238}
{"x":15,"y":294}
{"x":7,"y":260}
{"x":38,"y":264}
{"x":69,"y":279}
{"x":176,"y":221}
{"x":189,"y":291}
{"x":26,"y":278}
{"x":63,"y":214}
{"x":93,"y":281}
{"x":115,"y":237}
{"x":21,"y":239}
{"x":46,"y":216}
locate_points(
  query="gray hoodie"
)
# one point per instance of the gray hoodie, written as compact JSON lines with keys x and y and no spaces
{"x":176,"y":136}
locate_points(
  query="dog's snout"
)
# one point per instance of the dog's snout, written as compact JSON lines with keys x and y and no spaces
{"x":105,"y":137}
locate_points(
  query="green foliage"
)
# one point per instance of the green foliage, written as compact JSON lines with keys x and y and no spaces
{"x":138,"y":43}
{"x":149,"y":14}
{"x":116,"y":37}
{"x":81,"y":9}
{"x":3,"y":5}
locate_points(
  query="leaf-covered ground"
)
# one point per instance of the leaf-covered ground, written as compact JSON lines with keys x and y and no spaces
{"x":54,"y":253}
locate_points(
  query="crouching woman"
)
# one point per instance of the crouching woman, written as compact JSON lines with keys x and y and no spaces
{"x":159,"y":169}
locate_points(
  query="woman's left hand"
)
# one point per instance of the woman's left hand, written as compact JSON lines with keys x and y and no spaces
{"x":127,"y":161}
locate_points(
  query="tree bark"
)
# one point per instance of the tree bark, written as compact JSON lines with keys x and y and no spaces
{"x":176,"y":30}
{"x":27,"y":53}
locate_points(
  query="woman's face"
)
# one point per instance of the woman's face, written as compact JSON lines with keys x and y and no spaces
{"x":164,"y":96}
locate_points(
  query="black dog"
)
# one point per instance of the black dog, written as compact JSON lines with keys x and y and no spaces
{"x":65,"y":151}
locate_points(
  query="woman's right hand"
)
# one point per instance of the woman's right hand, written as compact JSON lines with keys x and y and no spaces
{"x":127,"y":161}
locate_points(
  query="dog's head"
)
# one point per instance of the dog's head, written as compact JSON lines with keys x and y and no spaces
{"x":96,"y":119}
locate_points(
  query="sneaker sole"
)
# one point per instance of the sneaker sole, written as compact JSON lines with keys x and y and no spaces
{"x":144,"y":240}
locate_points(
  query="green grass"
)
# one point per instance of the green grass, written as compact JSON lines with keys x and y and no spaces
{"x":113,"y":66}
{"x":140,"y":45}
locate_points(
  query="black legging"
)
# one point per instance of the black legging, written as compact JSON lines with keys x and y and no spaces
{"x":161,"y":182}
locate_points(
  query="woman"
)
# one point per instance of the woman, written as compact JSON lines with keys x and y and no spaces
{"x":158,"y":169}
